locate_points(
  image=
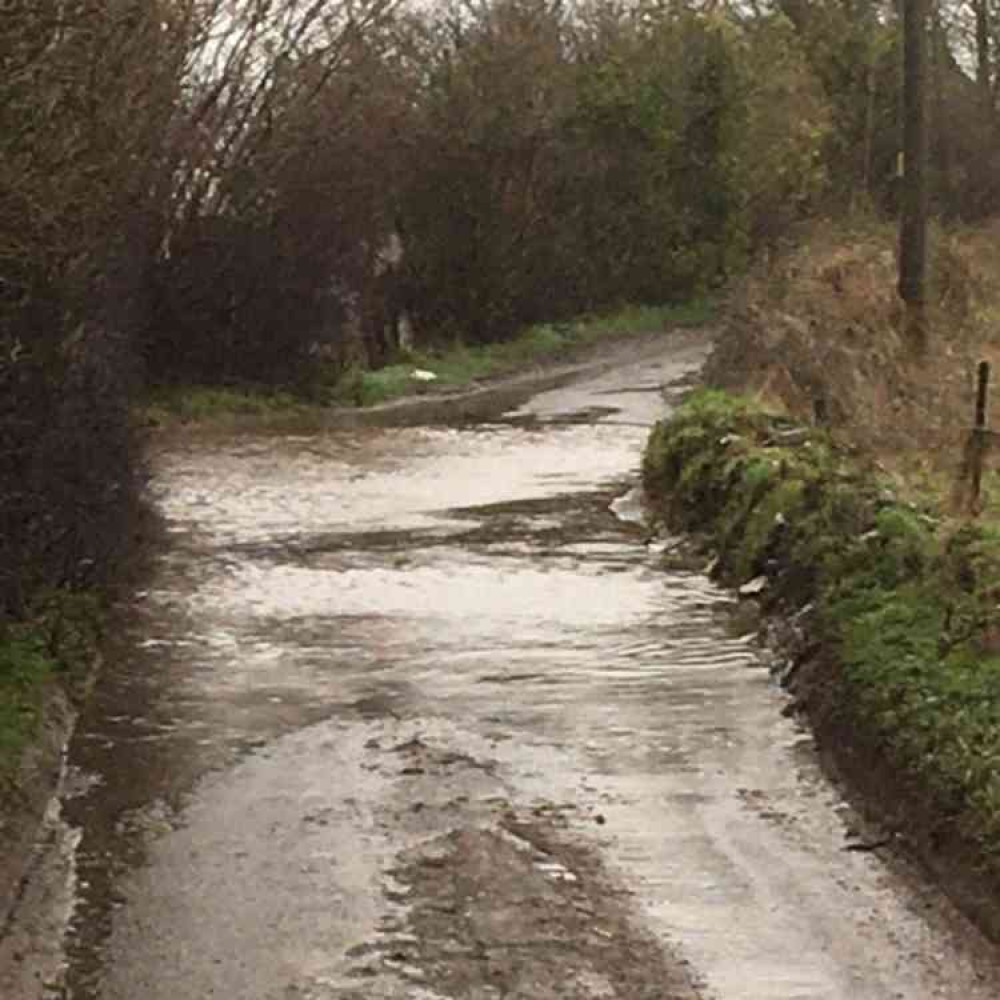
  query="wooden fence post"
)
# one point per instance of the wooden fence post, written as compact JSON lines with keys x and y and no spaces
{"x":982,"y":387}
{"x":968,"y":489}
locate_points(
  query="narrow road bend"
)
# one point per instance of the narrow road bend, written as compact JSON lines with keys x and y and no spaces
{"x":419,"y":713}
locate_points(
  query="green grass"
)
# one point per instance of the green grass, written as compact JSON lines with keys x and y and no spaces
{"x":25,"y":667}
{"x":906,"y":602}
{"x":197,"y":403}
{"x":56,"y":644}
{"x":461,"y":365}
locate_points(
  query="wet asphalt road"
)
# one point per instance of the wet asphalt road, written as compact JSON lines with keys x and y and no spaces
{"x":418,"y":713}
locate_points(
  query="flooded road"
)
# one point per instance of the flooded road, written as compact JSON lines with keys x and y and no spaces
{"x":419,"y":713}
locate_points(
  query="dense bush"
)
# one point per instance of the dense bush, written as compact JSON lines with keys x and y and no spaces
{"x":86,"y":92}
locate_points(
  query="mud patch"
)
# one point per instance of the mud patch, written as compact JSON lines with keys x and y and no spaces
{"x":517,"y":911}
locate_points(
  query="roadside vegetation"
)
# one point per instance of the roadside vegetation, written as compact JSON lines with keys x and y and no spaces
{"x":461,"y":365}
{"x":252,"y":206}
{"x":56,"y":645}
{"x":445,"y":369}
{"x":824,"y":466}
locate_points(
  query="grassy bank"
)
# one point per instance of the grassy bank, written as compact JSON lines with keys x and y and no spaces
{"x":56,"y":645}
{"x":900,"y":653}
{"x":455,"y":368}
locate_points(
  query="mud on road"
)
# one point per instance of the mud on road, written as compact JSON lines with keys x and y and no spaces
{"x":423,"y":713}
{"x":510,"y":905}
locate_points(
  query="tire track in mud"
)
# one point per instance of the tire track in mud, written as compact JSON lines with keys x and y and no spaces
{"x":503,"y":901}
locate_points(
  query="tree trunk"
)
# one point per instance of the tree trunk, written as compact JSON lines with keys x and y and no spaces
{"x":941,"y":152}
{"x":982,"y":171}
{"x":871,"y":83}
{"x":913,"y":222}
{"x":983,"y":82}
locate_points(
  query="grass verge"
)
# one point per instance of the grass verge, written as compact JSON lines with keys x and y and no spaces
{"x":201,"y":403}
{"x":460,"y":366}
{"x":56,"y":644}
{"x":903,"y":633}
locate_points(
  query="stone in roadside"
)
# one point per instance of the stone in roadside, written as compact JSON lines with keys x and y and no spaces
{"x":753,"y":587}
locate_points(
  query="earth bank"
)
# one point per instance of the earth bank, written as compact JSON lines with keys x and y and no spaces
{"x":883,"y":601}
{"x":52,"y":661}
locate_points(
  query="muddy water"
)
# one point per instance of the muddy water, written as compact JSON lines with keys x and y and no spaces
{"x":419,"y":713}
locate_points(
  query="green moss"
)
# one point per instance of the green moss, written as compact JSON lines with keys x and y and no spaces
{"x":937,"y":710}
{"x":766,"y":520}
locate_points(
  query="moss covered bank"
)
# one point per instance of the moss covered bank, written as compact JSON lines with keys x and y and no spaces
{"x":891,"y":620}
{"x":47,"y":662}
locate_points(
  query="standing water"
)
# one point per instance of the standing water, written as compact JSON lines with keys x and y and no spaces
{"x":419,"y":713}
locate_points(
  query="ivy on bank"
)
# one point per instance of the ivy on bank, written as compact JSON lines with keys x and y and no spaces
{"x":906,"y":603}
